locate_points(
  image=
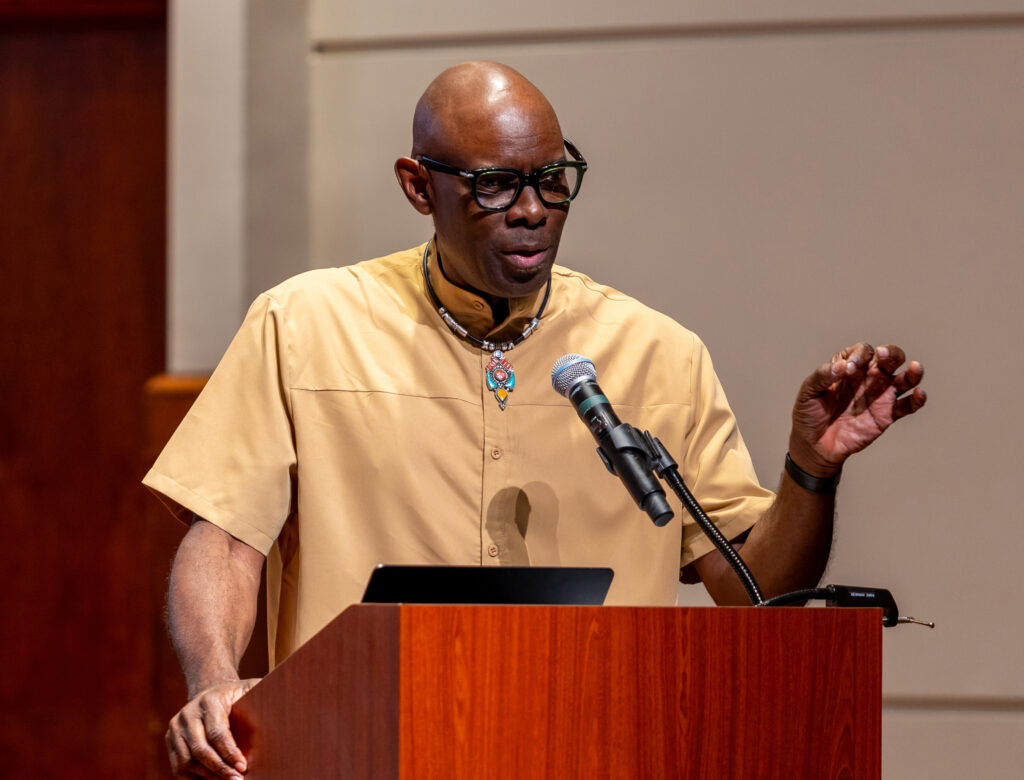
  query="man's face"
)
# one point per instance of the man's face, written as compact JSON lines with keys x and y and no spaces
{"x":499,"y":254}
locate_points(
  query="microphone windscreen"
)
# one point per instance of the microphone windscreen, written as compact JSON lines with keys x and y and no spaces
{"x":570,"y":369}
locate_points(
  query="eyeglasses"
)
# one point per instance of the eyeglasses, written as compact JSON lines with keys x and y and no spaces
{"x":497,"y":189}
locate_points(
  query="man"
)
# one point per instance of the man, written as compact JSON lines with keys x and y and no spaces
{"x":348,"y":424}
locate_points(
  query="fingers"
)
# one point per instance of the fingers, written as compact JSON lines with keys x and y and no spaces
{"x":215,"y":712}
{"x":857,"y":357}
{"x":182,"y":762}
{"x":907,"y":380}
{"x":909,"y":404}
{"x":877,"y":368}
{"x":845,"y":364}
{"x":882,"y":362}
{"x":199,"y":740}
{"x":888,"y":359}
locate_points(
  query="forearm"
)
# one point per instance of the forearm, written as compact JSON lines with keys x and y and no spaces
{"x":789,"y":547}
{"x":211,"y":604}
{"x":786,"y":550}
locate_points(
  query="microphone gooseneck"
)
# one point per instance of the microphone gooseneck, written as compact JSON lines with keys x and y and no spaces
{"x":634,"y":456}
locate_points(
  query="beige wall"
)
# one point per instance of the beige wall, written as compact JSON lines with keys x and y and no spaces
{"x":813,"y":174}
{"x":205,"y":180}
{"x":238,"y":202}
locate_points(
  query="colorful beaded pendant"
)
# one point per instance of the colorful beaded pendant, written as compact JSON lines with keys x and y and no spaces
{"x":501,"y":378}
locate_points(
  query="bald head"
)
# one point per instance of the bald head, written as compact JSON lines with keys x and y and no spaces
{"x":470,"y":104}
{"x":485,"y":115}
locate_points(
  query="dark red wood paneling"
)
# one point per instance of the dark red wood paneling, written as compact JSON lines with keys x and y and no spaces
{"x":425,"y":691}
{"x":63,"y":10}
{"x":618,"y":692}
{"x":82,"y":236}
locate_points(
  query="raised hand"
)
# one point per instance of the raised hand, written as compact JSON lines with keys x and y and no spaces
{"x":850,"y":401}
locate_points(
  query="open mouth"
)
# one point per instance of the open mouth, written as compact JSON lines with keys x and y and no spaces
{"x":526,"y":258}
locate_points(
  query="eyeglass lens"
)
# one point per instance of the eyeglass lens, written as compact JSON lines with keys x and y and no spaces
{"x":498,"y":189}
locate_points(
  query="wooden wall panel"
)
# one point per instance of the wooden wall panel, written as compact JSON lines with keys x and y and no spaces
{"x":65,"y":10}
{"x":82,"y":235}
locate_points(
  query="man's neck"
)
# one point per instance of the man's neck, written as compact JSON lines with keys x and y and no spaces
{"x":499,"y":308}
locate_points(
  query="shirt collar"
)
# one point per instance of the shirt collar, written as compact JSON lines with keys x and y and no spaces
{"x":473,"y":312}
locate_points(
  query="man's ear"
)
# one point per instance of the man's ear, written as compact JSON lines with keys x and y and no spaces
{"x":414,"y":184}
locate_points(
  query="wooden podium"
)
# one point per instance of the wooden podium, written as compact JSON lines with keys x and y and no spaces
{"x":413,"y":691}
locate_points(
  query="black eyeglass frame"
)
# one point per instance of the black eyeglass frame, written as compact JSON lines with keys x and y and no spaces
{"x":524,"y":179}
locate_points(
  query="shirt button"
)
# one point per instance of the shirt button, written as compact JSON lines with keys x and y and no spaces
{"x":496,"y":453}
{"x":478,"y":305}
{"x":492,"y":550}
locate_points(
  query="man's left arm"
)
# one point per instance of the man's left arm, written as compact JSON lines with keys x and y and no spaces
{"x":841,"y":408}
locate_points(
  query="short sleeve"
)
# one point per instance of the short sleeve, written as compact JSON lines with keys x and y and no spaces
{"x":232,"y":459}
{"x":717,"y":465}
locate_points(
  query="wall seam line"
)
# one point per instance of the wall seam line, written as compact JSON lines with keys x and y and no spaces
{"x":779,"y":28}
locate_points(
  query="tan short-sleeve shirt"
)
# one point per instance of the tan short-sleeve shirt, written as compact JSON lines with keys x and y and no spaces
{"x":347,"y":426}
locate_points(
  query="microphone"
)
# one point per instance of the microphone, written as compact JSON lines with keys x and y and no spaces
{"x":620,"y":446}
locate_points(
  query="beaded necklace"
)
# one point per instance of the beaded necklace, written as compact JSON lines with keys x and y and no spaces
{"x":499,"y":374}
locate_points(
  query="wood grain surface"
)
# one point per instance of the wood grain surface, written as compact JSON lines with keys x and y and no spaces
{"x":618,"y":692}
{"x":545,"y":692}
{"x":82,"y":242}
{"x":331,"y":709}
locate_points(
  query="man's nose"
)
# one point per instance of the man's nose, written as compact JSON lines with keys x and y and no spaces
{"x":528,"y":207}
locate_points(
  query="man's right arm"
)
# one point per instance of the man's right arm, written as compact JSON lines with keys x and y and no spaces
{"x":211,"y":610}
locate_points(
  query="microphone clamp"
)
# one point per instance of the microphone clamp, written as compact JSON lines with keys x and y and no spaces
{"x":626,"y":441}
